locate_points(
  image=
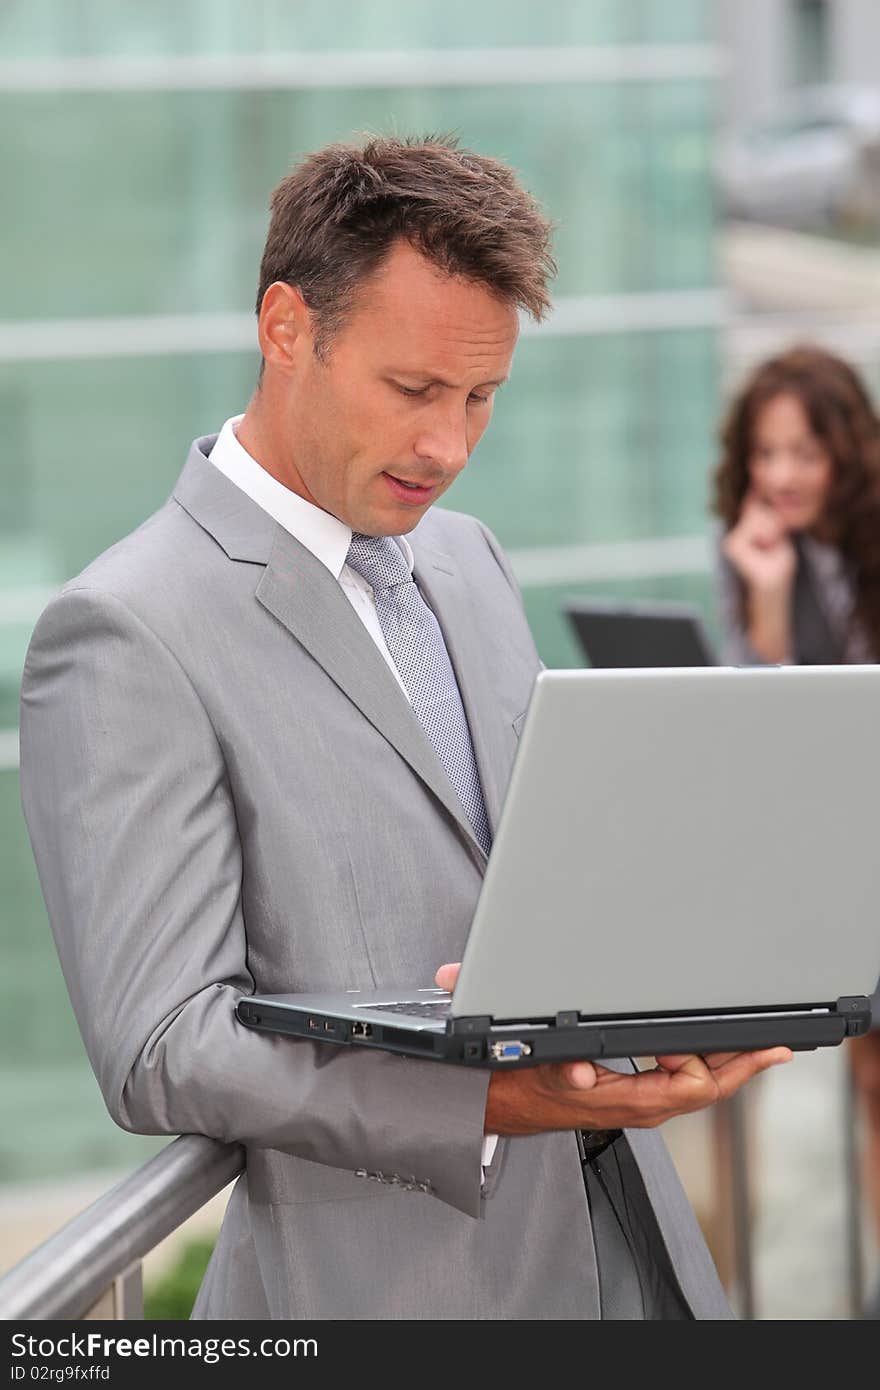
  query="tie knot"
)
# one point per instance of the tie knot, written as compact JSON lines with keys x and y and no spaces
{"x":379,"y":559}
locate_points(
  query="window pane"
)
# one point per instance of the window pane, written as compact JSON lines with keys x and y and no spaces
{"x":38,"y":28}
{"x":155,"y":203}
{"x":145,"y":203}
{"x":55,"y":1120}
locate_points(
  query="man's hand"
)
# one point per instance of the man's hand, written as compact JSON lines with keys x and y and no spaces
{"x":584,"y":1095}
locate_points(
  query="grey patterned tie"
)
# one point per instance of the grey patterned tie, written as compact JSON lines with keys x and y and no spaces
{"x":413,"y":637}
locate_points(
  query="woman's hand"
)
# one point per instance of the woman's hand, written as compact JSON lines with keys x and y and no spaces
{"x":760,"y":549}
{"x":763,"y":554}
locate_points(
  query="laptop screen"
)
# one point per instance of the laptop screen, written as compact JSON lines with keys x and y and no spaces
{"x":683,"y":840}
{"x":645,"y":634}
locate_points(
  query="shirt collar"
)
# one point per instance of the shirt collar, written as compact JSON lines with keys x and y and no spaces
{"x":324,"y":535}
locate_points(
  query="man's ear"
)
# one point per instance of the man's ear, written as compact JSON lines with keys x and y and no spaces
{"x":284,"y":327}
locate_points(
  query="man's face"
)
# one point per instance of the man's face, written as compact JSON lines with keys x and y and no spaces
{"x":380,"y":428}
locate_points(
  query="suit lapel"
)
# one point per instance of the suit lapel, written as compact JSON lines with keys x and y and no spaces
{"x":298,"y":590}
{"x":237,"y":523}
{"x":303,"y":595}
{"x":447,"y":595}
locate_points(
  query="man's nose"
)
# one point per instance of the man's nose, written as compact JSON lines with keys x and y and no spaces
{"x":443,"y":440}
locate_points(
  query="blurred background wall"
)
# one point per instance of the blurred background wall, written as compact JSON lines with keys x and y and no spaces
{"x":139,"y":142}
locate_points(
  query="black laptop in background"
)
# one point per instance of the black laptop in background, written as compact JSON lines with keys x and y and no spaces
{"x":649,"y":633}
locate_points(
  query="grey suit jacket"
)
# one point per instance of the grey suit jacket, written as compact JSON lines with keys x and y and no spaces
{"x":226,"y":790}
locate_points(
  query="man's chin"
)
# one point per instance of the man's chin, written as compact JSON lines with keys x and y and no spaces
{"x":409,"y":522}
{"x":392,"y":524}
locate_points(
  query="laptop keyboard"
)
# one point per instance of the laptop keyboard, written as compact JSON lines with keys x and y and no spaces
{"x":423,"y":1008}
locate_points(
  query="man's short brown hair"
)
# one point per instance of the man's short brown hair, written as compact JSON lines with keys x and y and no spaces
{"x":337,"y":215}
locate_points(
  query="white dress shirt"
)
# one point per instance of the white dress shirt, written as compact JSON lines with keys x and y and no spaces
{"x":328,"y":539}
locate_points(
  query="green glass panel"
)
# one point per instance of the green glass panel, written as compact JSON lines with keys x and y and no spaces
{"x":145,"y":203}
{"x":598,"y":438}
{"x":595,"y":439}
{"x":55,"y":1119}
{"x":155,"y":203}
{"x":61,"y":1126}
{"x":68,"y":28}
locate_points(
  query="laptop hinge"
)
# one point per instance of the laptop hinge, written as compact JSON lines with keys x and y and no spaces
{"x":477,"y":1024}
{"x":567,"y":1018}
{"x":856,"y":1012}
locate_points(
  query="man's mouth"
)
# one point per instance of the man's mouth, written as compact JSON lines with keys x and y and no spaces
{"x":404,"y":488}
{"x":414,"y":482}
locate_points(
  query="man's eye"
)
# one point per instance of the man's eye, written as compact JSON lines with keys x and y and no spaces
{"x":481,"y":400}
{"x":411,"y":390}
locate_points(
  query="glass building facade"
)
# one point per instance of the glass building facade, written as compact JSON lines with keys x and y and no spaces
{"x":139,"y":143}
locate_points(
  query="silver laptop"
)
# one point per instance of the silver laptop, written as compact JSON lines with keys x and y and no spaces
{"x":686,"y":862}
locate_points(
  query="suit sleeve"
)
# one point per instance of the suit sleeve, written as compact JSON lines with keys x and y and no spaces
{"x":133,"y":827}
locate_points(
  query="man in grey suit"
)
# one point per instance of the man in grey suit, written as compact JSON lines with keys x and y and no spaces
{"x":265,"y":740}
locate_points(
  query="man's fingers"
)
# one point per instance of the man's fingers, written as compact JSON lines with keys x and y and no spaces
{"x":768,"y":1057}
{"x":718,"y":1061}
{"x":712,"y":1060}
{"x":581,"y":1075}
{"x":447,"y":975}
{"x":726,"y":1072}
{"x":591,"y":1096}
{"x":686,"y":1062}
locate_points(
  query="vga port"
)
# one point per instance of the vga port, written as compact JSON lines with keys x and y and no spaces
{"x":510,"y":1051}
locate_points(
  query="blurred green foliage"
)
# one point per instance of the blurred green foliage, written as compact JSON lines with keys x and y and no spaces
{"x":172,"y":1296}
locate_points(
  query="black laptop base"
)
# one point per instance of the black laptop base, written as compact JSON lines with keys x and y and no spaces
{"x":478,"y":1042}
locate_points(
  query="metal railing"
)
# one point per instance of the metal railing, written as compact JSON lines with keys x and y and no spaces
{"x":91,"y":1268}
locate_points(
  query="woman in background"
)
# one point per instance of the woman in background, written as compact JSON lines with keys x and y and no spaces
{"x":798,"y":494}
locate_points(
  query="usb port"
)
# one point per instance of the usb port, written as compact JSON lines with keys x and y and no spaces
{"x":510,"y":1051}
{"x":329,"y":1027}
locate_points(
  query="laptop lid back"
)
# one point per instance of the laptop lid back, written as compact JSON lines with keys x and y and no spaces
{"x":623,"y":635}
{"x":677,"y":840}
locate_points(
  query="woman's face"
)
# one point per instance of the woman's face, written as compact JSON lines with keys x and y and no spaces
{"x":789,"y":466}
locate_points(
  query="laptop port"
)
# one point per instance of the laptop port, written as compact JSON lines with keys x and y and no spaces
{"x":510,"y":1051}
{"x":361,"y":1030}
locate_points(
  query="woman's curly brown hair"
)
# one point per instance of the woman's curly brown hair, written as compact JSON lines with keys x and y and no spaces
{"x":843,"y":418}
